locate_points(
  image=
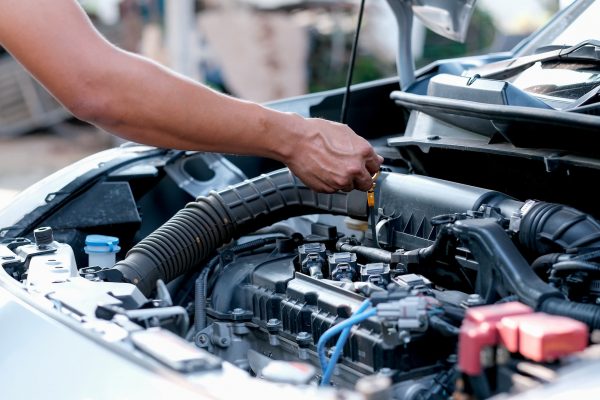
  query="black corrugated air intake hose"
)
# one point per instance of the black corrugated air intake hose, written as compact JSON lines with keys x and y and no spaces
{"x":549,"y":228}
{"x":196,"y":231}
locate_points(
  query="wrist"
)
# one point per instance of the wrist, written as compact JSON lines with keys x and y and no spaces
{"x":283,"y":131}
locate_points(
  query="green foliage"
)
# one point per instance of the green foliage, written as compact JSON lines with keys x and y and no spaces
{"x":326,"y":73}
{"x":367,"y":68}
{"x":479,"y":38}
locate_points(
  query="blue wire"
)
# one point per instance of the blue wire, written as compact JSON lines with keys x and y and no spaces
{"x":321,"y":344}
{"x":356,"y":319}
{"x":345,"y":328}
{"x":344,"y":335}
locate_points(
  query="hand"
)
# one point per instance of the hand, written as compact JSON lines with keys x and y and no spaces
{"x":329,"y":156}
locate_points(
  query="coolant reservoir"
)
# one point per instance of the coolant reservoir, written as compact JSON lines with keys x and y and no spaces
{"x":101,"y":250}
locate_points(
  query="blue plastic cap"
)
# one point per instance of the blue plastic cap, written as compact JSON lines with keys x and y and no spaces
{"x":101,"y":244}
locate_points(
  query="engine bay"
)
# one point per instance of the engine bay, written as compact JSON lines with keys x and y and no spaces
{"x":420,"y":289}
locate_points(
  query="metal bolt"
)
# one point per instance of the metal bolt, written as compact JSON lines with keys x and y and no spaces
{"x":202,"y":340}
{"x":273,"y":323}
{"x":404,"y":337}
{"x":273,"y":326}
{"x":473,"y":300}
{"x":304,"y":339}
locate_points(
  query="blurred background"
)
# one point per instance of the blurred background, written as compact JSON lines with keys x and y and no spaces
{"x":259,"y":50}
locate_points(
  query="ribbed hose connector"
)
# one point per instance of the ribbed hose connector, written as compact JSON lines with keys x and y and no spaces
{"x":196,"y":231}
{"x":549,"y":228}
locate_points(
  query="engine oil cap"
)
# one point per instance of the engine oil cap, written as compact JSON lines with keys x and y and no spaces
{"x":101,"y":244}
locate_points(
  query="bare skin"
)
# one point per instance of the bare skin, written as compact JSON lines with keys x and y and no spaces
{"x":147,"y":103}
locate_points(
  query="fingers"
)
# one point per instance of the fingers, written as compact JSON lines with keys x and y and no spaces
{"x":352,"y":178}
{"x":373,"y":164}
{"x":359,"y":178}
{"x":363,"y":182}
{"x":327,"y":184}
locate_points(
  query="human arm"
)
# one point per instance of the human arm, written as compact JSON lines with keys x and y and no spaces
{"x":147,"y":103}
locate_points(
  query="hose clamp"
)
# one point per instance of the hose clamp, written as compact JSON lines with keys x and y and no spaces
{"x":517,"y":217}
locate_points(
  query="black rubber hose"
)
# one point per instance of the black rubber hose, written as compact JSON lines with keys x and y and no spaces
{"x":565,"y":267}
{"x":545,"y":262}
{"x":443,"y":327}
{"x":586,"y":313}
{"x":196,"y":231}
{"x":252,"y":245}
{"x":498,"y":257}
{"x":455,"y":313}
{"x":508,"y":299}
{"x":551,"y":228}
{"x":370,"y":253}
{"x":277,"y":228}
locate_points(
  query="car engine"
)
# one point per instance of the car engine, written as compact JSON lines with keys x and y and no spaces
{"x":421,"y":288}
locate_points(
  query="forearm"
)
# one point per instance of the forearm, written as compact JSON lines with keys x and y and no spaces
{"x":144,"y":102}
{"x":128,"y":98}
{"x":132,"y":96}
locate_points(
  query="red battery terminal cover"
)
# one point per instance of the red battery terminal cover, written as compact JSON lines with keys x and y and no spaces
{"x":479,"y":330}
{"x":536,"y":336}
{"x":542,"y":337}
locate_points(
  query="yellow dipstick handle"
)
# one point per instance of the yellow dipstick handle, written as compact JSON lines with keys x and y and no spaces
{"x":371,"y":192}
{"x":371,"y":198}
